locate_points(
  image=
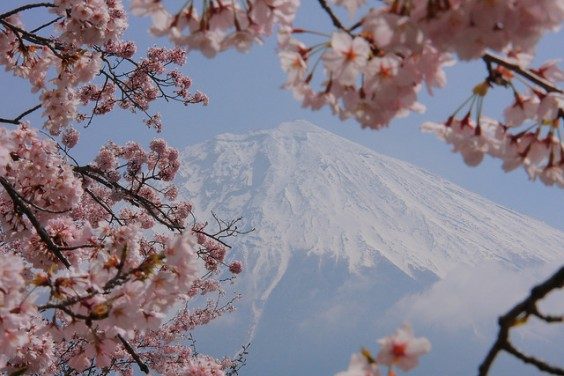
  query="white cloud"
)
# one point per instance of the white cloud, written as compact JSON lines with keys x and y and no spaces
{"x":473,"y":297}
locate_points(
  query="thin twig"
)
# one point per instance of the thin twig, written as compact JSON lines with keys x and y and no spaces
{"x":38,"y":28}
{"x":103,"y":205}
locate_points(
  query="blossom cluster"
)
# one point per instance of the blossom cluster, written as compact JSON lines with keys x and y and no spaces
{"x":366,"y":77}
{"x":35,"y":170}
{"x":18,"y":315}
{"x":400,"y":350}
{"x":529,"y":136}
{"x":375,"y":74}
{"x":219,"y":24}
{"x":475,"y":26}
{"x":87,"y":44}
{"x":137,"y":89}
{"x":108,"y":16}
{"x":374,"y":70}
{"x":87,"y":275}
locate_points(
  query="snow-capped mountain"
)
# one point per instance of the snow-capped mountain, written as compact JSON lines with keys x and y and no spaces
{"x":342,"y":234}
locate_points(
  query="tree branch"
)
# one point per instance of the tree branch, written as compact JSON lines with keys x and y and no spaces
{"x":541,"y":365}
{"x":515,"y":316}
{"x":34,"y":38}
{"x":21,"y":206}
{"x":132,"y":197}
{"x":336,"y":22}
{"x":142,"y":366}
{"x":38,"y":28}
{"x":526,"y":73}
{"x":26,"y":7}
{"x":20,"y":117}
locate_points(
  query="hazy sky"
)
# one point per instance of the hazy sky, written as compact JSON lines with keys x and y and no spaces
{"x":245,"y":94}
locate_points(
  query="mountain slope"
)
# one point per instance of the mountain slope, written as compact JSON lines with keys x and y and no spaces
{"x":306,"y":189}
{"x":343,"y":233}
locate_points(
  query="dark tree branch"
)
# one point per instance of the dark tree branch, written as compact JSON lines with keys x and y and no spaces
{"x":132,"y":197}
{"x":517,"y":315}
{"x":22,"y":207}
{"x":34,"y":38}
{"x":17,"y":119}
{"x":526,"y":73}
{"x":549,"y":318}
{"x":67,"y":303}
{"x":26,"y":7}
{"x":336,"y":22}
{"x":541,"y":365}
{"x":154,"y":210}
{"x":26,"y":35}
{"x":142,"y":366}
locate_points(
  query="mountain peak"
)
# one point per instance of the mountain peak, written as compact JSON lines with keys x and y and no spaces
{"x":305,"y":189}
{"x":299,"y":126}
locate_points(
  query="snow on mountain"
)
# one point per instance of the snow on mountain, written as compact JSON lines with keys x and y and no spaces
{"x":305,"y":189}
{"x":325,"y":211}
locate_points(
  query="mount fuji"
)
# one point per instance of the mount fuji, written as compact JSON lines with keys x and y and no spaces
{"x":348,"y":244}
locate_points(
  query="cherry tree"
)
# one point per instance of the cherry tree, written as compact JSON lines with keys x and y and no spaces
{"x":101,"y":261}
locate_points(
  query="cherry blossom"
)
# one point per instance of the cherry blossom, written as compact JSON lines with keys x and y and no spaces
{"x":218,"y":25}
{"x":373,"y":70}
{"x":236,"y":267}
{"x":402,"y":349}
{"x":346,"y":58}
{"x":350,"y":5}
{"x":360,"y":365}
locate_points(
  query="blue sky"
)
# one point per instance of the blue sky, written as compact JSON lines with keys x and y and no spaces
{"x":245,"y":94}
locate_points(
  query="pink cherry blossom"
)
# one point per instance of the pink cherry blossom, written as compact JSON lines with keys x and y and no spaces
{"x":236,"y":267}
{"x":402,"y":349}
{"x":360,"y":366}
{"x":346,"y":58}
{"x":350,"y":5}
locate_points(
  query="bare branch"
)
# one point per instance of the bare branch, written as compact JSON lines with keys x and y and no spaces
{"x":47,"y":24}
{"x":142,"y":366}
{"x":336,"y":22}
{"x":26,"y":7}
{"x":540,"y":364}
{"x":526,"y":73}
{"x":517,"y":315}
{"x":549,"y":318}
{"x":17,"y":119}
